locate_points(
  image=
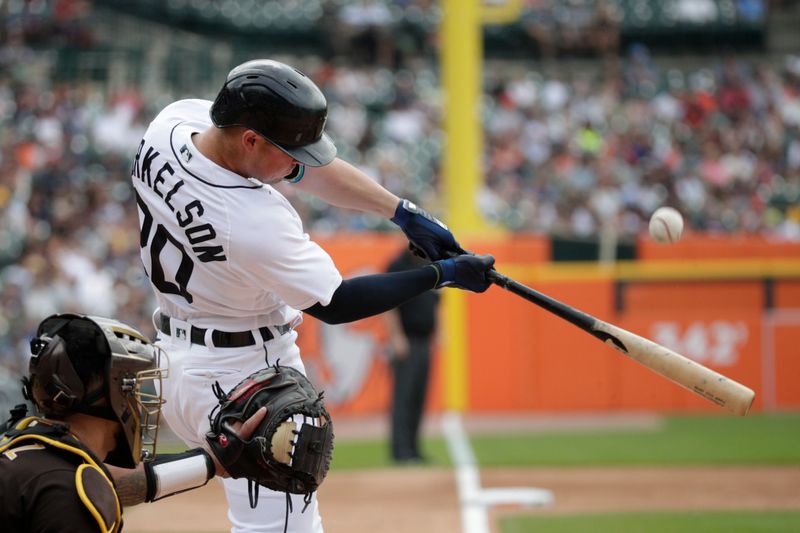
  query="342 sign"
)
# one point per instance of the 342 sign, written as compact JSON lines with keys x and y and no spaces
{"x":715,"y":343}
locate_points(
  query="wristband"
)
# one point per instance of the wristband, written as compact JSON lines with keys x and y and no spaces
{"x":438,"y":270}
{"x":175,"y":473}
{"x":446,"y":269}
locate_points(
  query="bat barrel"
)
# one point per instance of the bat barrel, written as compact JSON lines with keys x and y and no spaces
{"x":677,"y":368}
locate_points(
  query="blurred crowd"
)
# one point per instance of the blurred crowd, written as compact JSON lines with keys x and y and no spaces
{"x":571,"y":27}
{"x":721,"y":143}
{"x":67,"y":227}
{"x":572,"y":154}
{"x":68,"y":223}
{"x":388,"y":33}
{"x":565,"y":154}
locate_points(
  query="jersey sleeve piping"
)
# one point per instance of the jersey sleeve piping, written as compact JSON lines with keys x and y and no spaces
{"x":198,"y":178}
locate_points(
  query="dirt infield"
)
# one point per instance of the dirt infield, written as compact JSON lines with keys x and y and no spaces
{"x":422,"y":500}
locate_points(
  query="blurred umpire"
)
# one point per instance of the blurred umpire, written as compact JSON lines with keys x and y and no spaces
{"x":411,"y":327}
{"x":88,"y":377}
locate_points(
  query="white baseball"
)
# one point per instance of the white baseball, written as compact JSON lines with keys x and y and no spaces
{"x":666,"y":225}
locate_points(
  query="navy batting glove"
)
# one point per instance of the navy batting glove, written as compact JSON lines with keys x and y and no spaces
{"x":428,"y":236}
{"x":466,"y":272}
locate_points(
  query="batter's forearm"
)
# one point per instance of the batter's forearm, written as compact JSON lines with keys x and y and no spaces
{"x":343,"y":185}
{"x":365,"y":296}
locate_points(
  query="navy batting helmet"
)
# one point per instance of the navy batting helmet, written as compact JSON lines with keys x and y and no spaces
{"x":280,"y":103}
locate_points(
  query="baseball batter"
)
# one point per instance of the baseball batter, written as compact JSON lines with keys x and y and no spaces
{"x":233,"y":270}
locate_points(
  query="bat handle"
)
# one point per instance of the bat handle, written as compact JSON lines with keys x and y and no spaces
{"x":497,"y":278}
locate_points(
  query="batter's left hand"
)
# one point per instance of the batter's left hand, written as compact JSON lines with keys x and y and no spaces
{"x":428,"y":236}
{"x":466,"y":272}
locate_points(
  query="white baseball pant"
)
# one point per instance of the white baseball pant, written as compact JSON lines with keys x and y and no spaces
{"x":193,"y":369}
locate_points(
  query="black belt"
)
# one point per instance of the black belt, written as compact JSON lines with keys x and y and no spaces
{"x":226,"y":339}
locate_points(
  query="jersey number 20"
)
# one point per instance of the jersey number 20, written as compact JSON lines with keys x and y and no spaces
{"x":160,"y":239}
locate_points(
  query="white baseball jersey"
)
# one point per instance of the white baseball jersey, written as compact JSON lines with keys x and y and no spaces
{"x":221,"y":251}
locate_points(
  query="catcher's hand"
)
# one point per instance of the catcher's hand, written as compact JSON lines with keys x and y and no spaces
{"x":244,"y":430}
{"x":291,"y":449}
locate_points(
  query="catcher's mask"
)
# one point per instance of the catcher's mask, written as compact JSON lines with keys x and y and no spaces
{"x":103,"y":368}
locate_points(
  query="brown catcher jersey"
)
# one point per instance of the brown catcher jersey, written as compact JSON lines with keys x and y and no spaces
{"x":50,"y":483}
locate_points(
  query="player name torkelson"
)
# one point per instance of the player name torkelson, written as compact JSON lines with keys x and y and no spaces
{"x":197,"y":231}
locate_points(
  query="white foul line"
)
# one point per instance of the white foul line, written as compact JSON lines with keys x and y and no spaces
{"x":474,"y":500}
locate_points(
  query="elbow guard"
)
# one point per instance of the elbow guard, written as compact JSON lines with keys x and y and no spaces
{"x":175,"y":473}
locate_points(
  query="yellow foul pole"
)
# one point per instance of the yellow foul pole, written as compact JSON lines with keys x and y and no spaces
{"x":461,"y":56}
{"x":461,"y":62}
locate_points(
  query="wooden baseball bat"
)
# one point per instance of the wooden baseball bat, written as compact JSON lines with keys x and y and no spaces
{"x":675,"y":367}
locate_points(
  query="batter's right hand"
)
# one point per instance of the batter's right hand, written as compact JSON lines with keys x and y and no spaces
{"x":428,"y":237}
{"x":466,"y":272}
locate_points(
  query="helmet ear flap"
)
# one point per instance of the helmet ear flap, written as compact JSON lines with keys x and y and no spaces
{"x":54,"y":378}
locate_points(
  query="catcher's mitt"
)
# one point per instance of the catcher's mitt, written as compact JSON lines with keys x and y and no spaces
{"x":291,"y":449}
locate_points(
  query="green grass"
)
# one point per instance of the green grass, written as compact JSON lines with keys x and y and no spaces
{"x":765,"y":439}
{"x":689,"y":522}
{"x":712,"y":440}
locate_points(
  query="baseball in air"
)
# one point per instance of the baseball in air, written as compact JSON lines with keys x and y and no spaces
{"x":666,"y":225}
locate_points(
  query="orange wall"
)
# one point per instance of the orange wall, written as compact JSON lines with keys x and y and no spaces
{"x":700,"y":246}
{"x":522,"y":358}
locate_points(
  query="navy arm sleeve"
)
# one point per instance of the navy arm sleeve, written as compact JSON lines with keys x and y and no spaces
{"x":365,"y":296}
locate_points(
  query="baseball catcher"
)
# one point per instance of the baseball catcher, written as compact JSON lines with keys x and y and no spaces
{"x":291,"y":449}
{"x":92,"y":382}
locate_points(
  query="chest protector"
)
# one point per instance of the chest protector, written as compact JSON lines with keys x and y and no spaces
{"x":92,"y":482}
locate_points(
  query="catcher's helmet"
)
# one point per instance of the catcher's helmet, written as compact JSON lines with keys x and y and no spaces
{"x":98,"y":366}
{"x":280,"y":103}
